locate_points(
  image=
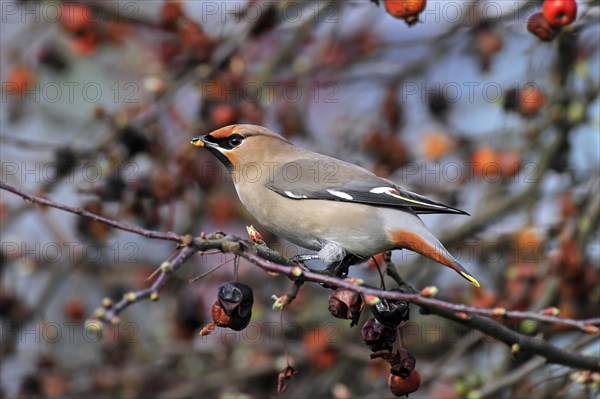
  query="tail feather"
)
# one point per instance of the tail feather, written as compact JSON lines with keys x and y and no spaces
{"x":465,"y":273}
{"x":433,"y":250}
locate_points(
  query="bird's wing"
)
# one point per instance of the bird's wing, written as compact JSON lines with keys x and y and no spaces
{"x":325,"y":178}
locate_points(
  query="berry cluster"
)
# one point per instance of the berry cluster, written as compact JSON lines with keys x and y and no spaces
{"x":380,"y":333}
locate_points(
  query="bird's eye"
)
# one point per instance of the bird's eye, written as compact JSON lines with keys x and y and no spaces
{"x":235,"y":140}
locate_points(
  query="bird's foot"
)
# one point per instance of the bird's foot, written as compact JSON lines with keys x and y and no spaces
{"x":340,"y":269}
{"x":301,"y":258}
{"x":304,"y":257}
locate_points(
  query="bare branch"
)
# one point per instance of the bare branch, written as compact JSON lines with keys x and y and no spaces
{"x":271,"y":261}
{"x":81,"y":212}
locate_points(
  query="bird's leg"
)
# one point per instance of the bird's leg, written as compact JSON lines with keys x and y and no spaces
{"x":304,"y":257}
{"x":340,"y":269}
{"x":301,"y":258}
{"x":390,"y":270}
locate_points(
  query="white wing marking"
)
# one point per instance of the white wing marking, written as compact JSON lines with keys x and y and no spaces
{"x":340,"y":194}
{"x":295,"y":196}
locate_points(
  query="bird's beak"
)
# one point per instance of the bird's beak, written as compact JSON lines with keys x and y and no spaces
{"x":197,"y":141}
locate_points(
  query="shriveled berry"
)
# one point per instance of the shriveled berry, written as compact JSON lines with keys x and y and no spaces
{"x":402,"y":362}
{"x":233,"y":307}
{"x":390,"y":312}
{"x":346,"y":304}
{"x":377,"y":336}
{"x":65,"y":160}
{"x":511,"y":99}
{"x":539,"y":26}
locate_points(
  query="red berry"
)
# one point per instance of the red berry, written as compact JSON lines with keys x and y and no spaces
{"x":401,"y":386}
{"x":18,"y":80}
{"x":223,"y":115}
{"x":485,"y":162}
{"x":74,"y":309}
{"x":404,"y":8}
{"x":510,"y":162}
{"x":84,"y":43}
{"x":560,"y":12}
{"x":532,"y":99}
{"x":170,"y":12}
{"x":538,"y":25}
{"x":75,"y":17}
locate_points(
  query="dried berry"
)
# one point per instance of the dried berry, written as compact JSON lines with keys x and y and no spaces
{"x":113,"y":188}
{"x":377,"y":336}
{"x":487,"y":43}
{"x":390,"y":312}
{"x":402,"y":362}
{"x":346,"y":304}
{"x":65,"y":160}
{"x":539,"y":26}
{"x":266,"y":21}
{"x":51,"y":57}
{"x":84,"y":42}
{"x":438,"y":104}
{"x":233,"y":307}
{"x":392,"y":110}
{"x":133,"y":140}
{"x":284,"y":377}
{"x":511,"y":99}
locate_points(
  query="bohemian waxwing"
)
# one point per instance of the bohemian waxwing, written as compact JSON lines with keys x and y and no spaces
{"x":322,"y":203}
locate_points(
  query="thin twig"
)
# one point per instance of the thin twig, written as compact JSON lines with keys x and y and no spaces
{"x":81,"y":212}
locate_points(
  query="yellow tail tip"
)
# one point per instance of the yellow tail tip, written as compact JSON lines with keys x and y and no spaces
{"x":471,"y":279}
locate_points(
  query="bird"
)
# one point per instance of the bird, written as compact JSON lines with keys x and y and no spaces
{"x":322,"y":203}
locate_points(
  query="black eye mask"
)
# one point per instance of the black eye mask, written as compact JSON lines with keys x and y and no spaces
{"x":226,"y":143}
